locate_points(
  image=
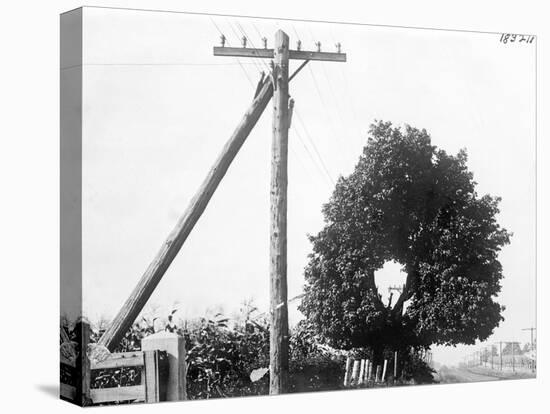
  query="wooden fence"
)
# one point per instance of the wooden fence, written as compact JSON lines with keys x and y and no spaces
{"x":154,"y":369}
{"x":362,"y":373}
{"x":160,"y":364}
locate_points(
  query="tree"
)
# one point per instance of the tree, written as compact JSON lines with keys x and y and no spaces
{"x":412,"y":203}
{"x":512,"y":348}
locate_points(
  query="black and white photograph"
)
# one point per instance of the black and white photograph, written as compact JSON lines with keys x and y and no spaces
{"x":255,"y":206}
{"x":274,"y":207}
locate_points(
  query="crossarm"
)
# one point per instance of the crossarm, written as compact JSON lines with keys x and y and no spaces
{"x":268,"y":54}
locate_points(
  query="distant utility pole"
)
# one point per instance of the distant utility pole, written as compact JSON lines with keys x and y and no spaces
{"x":513,"y":357}
{"x":396,"y":288}
{"x":280,"y":55}
{"x":532,"y":346}
{"x":500,"y":354}
{"x":531,"y":329}
{"x":532,"y":342}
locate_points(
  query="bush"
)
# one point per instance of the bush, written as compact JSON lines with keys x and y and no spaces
{"x":220,"y":359}
{"x":310,"y":368}
{"x":222,"y":354}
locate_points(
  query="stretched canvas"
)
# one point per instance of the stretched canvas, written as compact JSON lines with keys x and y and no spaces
{"x":255,"y":205}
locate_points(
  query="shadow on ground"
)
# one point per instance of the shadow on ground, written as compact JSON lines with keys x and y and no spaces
{"x":51,"y":390}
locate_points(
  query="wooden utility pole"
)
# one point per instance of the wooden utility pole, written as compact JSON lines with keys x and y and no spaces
{"x":281,"y":55}
{"x":278,"y":344}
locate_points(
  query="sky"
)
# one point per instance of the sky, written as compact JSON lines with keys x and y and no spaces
{"x":158,"y":107}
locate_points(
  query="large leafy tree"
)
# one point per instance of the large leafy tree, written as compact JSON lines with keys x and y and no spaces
{"x":410,"y":202}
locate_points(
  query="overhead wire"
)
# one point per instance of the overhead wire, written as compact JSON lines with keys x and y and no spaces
{"x":323,"y":169}
{"x":163,"y":64}
{"x":322,"y":100}
{"x":349,"y":97}
{"x":306,"y":130}
{"x":254,"y":60}
{"x":317,"y":160}
{"x":237,"y":59}
{"x":312,"y":143}
{"x":262,"y":62}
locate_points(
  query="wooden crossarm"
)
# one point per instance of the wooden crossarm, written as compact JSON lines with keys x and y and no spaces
{"x":268,"y":54}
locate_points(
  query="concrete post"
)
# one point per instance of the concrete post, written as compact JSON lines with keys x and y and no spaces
{"x":174,"y":345}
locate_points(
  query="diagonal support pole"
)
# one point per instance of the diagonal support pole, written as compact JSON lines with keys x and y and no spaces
{"x":152,"y":276}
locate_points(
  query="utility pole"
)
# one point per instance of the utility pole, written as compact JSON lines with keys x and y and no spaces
{"x":278,"y":343}
{"x":532,"y":347}
{"x":513,"y":357}
{"x":531,"y":329}
{"x":500,"y":354}
{"x":281,"y":54}
{"x":396,"y":288}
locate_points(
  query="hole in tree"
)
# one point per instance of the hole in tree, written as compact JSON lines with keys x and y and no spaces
{"x":389,"y":276}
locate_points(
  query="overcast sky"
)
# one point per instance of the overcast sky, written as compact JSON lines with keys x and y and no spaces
{"x":158,"y":107}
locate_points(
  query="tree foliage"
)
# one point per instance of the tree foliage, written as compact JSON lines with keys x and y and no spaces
{"x":410,"y":202}
{"x":512,"y":348}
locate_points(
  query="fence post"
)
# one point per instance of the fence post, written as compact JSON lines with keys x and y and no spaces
{"x":174,"y":345}
{"x":151,"y":376}
{"x":395,"y":366}
{"x":371,"y":371}
{"x":83,"y":370}
{"x":384,"y":370}
{"x":362,"y":373}
{"x":355,"y":376}
{"x":347,"y":374}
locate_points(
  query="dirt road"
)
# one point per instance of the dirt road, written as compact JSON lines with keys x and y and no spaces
{"x":455,"y":375}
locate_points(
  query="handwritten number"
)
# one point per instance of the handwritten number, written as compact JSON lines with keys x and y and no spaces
{"x":511,"y":38}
